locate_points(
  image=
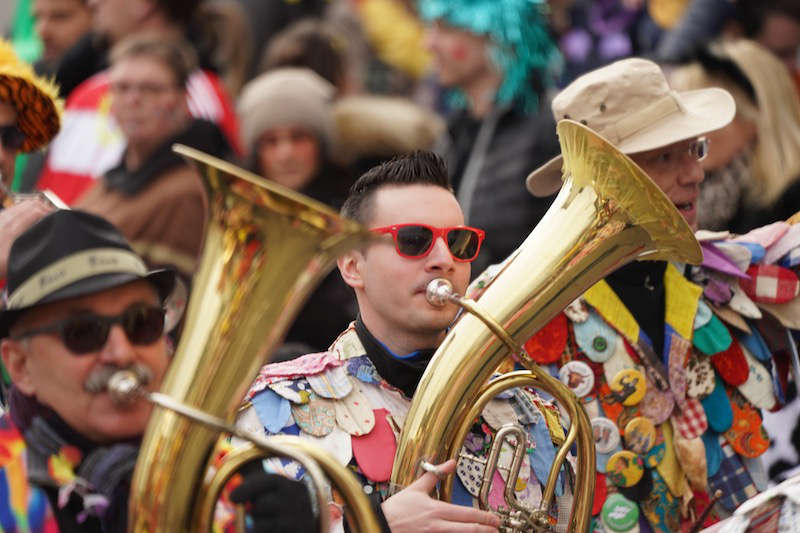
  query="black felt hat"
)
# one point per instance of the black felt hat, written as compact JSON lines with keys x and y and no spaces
{"x":68,"y":254}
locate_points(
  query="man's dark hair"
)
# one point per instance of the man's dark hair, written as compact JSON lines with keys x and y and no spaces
{"x":417,"y":168}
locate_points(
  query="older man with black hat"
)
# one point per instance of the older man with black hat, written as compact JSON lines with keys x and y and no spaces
{"x":82,"y":305}
{"x":72,"y":279}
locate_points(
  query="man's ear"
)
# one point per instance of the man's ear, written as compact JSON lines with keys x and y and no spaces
{"x":15,"y":357}
{"x":350,"y":265}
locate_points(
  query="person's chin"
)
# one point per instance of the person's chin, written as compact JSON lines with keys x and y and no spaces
{"x":124,"y":425}
{"x":439,"y":317}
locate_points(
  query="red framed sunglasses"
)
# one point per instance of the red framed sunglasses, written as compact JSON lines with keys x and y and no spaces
{"x":416,"y":240}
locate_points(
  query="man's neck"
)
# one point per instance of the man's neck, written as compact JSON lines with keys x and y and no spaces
{"x":481,"y":93}
{"x":401,"y":342}
{"x":137,"y":154}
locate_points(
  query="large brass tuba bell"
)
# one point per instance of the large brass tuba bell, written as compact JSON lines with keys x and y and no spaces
{"x":265,"y":249}
{"x":607,"y":214}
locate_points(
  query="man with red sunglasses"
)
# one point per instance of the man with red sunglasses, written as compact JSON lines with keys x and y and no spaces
{"x":81,"y":305}
{"x":353,"y":398}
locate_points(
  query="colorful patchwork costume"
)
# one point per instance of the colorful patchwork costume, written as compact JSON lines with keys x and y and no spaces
{"x":338,"y":400}
{"x":676,"y":421}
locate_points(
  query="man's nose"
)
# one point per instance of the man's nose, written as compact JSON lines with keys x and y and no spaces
{"x":284,"y":147}
{"x":692,"y":172}
{"x":440,"y":257}
{"x":118,"y":348}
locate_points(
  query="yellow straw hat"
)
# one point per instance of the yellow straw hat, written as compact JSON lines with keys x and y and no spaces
{"x":34,"y":98}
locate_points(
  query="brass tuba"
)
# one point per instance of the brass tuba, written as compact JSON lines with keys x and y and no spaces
{"x":607,"y":214}
{"x":265,"y":249}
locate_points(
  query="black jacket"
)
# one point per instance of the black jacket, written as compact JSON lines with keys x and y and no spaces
{"x":499,"y":203}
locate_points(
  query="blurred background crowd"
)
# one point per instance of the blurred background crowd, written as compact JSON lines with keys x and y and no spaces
{"x":310,"y":93}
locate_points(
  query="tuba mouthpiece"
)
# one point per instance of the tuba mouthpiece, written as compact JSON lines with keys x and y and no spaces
{"x":439,"y":292}
{"x":124,"y":386}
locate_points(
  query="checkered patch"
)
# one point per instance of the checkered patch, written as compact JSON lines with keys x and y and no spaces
{"x":732,"y":479}
{"x":770,"y":284}
{"x":691,"y":422}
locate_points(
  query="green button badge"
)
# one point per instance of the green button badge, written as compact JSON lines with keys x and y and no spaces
{"x":599,"y":343}
{"x":619,"y":513}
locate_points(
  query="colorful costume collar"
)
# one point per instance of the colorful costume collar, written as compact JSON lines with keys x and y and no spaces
{"x":682,"y":297}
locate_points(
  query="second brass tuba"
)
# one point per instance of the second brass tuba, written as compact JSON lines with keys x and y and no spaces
{"x":607,"y":214}
{"x":265,"y":249}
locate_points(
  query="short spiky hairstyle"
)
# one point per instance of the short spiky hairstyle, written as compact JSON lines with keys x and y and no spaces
{"x":417,"y":168}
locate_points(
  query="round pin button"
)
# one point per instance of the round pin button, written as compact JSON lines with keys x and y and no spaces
{"x":619,"y":513}
{"x":599,"y":343}
{"x":596,"y":338}
{"x":606,"y":434}
{"x":628,"y":387}
{"x":640,"y":435}
{"x":641,"y":491}
{"x":578,"y":376}
{"x":625,"y":468}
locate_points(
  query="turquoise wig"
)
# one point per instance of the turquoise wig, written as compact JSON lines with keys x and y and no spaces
{"x":521,"y":44}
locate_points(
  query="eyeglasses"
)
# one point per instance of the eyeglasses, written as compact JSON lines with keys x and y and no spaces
{"x":699,"y":148}
{"x":11,"y":137}
{"x":696,"y":149}
{"x":416,"y":240}
{"x":86,"y":333}
{"x":146,"y":89}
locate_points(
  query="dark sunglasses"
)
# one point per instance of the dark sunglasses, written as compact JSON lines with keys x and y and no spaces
{"x":11,"y":137}
{"x":416,"y":240}
{"x":86,"y":333}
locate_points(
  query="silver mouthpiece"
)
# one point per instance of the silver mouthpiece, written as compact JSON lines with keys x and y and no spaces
{"x":124,"y":386}
{"x":439,"y":292}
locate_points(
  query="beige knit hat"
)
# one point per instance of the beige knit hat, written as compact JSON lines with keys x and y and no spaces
{"x":286,"y":96}
{"x":630,"y":103}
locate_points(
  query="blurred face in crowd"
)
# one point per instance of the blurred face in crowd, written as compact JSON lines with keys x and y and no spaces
{"x":677,"y":170}
{"x":146,"y":100}
{"x":41,"y":365}
{"x":116,"y":19}
{"x":9,"y":140}
{"x":730,"y":141}
{"x":781,"y":34}
{"x":459,"y":56}
{"x":391,"y":288}
{"x":59,"y":24}
{"x":289,"y":155}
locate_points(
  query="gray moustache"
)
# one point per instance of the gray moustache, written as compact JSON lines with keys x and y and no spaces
{"x":97,"y":381}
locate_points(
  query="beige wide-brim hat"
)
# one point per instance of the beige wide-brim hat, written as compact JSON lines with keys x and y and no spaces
{"x":631,"y":104}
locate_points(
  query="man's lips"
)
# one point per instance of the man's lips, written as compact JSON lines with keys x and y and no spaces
{"x":422,"y":288}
